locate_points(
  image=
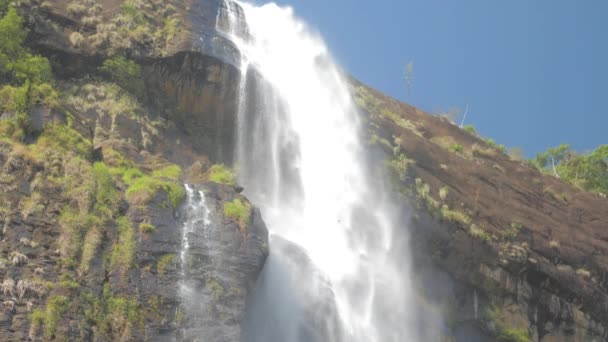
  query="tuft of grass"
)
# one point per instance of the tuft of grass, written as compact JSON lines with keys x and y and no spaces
{"x":239,"y":211}
{"x":456,"y":148}
{"x":147,"y":228}
{"x":479,"y":233}
{"x":470,"y":129}
{"x":163,"y":263}
{"x":62,"y":138}
{"x":455,"y":216}
{"x":143,"y":190}
{"x":124,"y":249}
{"x":443,"y":193}
{"x":55,"y":307}
{"x":172,"y":172}
{"x":221,"y":174}
{"x":513,"y":230}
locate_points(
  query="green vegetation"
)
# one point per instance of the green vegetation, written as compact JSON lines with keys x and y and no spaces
{"x":124,"y":249}
{"x":26,"y":79}
{"x":586,"y":171}
{"x":221,"y":174}
{"x":375,"y":106}
{"x":471,"y":129}
{"x":239,"y":211}
{"x":455,"y":216}
{"x":456,"y":148}
{"x":399,"y":165}
{"x":142,"y":188}
{"x":125,"y":73}
{"x":505,"y":333}
{"x":443,"y":193}
{"x":163,"y":263}
{"x":424,"y":193}
{"x":115,"y":316}
{"x":147,"y":228}
{"x":55,"y":307}
{"x":479,"y":233}
{"x":217,"y":290}
{"x":57,"y":137}
{"x":513,"y":230}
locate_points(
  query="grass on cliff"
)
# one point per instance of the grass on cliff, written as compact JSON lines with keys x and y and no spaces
{"x":143,"y":188}
{"x":221,"y":174}
{"x":123,"y":252}
{"x":239,"y":211}
{"x":49,"y":317}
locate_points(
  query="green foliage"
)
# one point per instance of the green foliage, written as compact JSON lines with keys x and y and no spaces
{"x":172,"y":172}
{"x":504,"y":332}
{"x":399,"y":164}
{"x":147,"y":228}
{"x":115,"y":316}
{"x":455,"y":216}
{"x":124,"y":72}
{"x":456,"y":148}
{"x":513,"y":230}
{"x":588,"y":172}
{"x":143,"y":190}
{"x":479,"y":233}
{"x":124,"y":249}
{"x":221,"y":174}
{"x":471,"y":129}
{"x":55,"y":307}
{"x":29,"y":77}
{"x":163,"y":263}
{"x":57,"y":137}
{"x":239,"y":211}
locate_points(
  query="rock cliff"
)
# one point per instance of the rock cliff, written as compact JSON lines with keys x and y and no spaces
{"x":92,"y":198}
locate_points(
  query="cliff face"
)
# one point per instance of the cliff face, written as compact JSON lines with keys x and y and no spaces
{"x":529,"y":252}
{"x":88,"y":256}
{"x":92,"y":198}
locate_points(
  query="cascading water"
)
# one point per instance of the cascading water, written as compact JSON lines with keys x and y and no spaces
{"x":333,"y":273}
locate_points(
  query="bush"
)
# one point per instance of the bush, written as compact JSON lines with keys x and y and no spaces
{"x":239,"y":211}
{"x":147,"y":228}
{"x":219,"y":173}
{"x":125,"y":73}
{"x":471,"y":129}
{"x":172,"y":172}
{"x":456,"y":148}
{"x":143,"y":190}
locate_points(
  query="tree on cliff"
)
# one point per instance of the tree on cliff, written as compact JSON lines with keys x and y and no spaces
{"x":587,"y":171}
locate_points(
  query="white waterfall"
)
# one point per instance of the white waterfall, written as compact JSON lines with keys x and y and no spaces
{"x":301,"y":159}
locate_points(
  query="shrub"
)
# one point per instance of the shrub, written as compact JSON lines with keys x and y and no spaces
{"x":172,"y":172}
{"x":239,"y":211}
{"x":221,"y":174}
{"x":143,"y":190}
{"x":457,"y":148}
{"x":471,"y":129}
{"x":61,"y":138}
{"x":125,"y":73}
{"x":147,"y":228}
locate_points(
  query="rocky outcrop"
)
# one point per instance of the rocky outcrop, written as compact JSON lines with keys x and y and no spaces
{"x":221,"y":265}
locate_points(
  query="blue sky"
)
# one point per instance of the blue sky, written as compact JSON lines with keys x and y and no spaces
{"x":534,"y":73}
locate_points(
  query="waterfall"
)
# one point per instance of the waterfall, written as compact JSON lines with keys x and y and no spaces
{"x":336,"y":248}
{"x":194,"y":236}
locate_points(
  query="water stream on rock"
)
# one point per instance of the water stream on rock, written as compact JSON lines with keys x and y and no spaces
{"x":333,"y":274}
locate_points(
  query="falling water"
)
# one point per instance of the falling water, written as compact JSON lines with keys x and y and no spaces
{"x":196,"y":224}
{"x":301,"y":159}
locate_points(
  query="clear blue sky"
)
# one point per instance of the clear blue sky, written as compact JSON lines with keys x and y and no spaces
{"x":533,"y":72}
